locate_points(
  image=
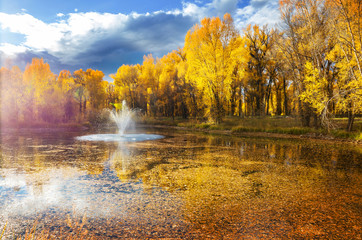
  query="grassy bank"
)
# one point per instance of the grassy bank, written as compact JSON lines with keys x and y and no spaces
{"x":280,"y":125}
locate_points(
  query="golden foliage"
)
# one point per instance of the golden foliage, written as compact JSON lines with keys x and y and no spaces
{"x":312,"y":69}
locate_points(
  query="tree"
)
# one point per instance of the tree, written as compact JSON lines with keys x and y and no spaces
{"x":149,"y":83}
{"x":80,"y":93}
{"x":348,"y":56}
{"x":173,"y":85}
{"x":39,"y":84}
{"x":11,"y":93}
{"x":258,"y":43}
{"x":185,"y":91}
{"x":309,"y":38}
{"x":96,"y":88}
{"x":126,"y":82}
{"x":67,"y":85}
{"x":208,"y":48}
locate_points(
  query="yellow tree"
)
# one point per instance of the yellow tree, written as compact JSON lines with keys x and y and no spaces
{"x":239,"y":75}
{"x":188,"y":98}
{"x":80,"y":92}
{"x":208,"y":48}
{"x":112,"y":96}
{"x":39,"y":82}
{"x":309,"y":38}
{"x":259,"y":42}
{"x":126,"y":82}
{"x":67,"y":86}
{"x":348,"y":56}
{"x":277,"y":73}
{"x":284,"y":75}
{"x":172,"y":85}
{"x":96,"y":88}
{"x":149,"y":83}
{"x":11,"y":91}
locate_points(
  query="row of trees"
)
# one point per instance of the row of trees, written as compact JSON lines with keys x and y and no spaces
{"x":37,"y":95}
{"x":309,"y":67}
{"x":322,"y":43}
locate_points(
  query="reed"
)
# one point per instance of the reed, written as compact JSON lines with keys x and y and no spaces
{"x":3,"y":231}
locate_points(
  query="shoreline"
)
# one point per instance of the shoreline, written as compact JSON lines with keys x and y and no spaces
{"x":259,"y":134}
{"x":225,"y":132}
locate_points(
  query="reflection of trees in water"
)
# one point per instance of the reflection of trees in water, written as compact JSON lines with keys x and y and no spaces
{"x":130,"y":162}
{"x":226,"y":185}
{"x":36,"y":163}
{"x":120,"y":161}
{"x":258,"y":186}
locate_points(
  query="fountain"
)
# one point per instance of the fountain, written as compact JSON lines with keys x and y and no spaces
{"x":123,"y":119}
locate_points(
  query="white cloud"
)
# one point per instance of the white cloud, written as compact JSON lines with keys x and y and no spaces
{"x":12,"y":50}
{"x":191,"y":9}
{"x":220,"y":7}
{"x":215,"y":8}
{"x":260,"y":12}
{"x":92,"y":37}
{"x":70,"y":40}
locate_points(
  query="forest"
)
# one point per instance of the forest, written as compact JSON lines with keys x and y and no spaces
{"x":309,"y":66}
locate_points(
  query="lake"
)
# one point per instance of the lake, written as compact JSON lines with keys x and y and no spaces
{"x":185,"y":185}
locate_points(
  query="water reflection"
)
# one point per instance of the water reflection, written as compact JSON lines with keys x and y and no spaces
{"x":185,"y":185}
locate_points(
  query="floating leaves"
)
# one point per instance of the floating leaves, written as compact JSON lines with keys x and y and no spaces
{"x":183,"y":186}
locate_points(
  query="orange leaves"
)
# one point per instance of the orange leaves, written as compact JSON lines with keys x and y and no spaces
{"x":38,"y":95}
{"x":38,"y":72}
{"x":95,"y":87}
{"x":352,"y":5}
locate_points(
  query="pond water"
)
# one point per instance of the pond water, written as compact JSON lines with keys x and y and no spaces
{"x":186,"y":185}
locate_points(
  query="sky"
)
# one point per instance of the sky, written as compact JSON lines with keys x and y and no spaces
{"x":106,"y":34}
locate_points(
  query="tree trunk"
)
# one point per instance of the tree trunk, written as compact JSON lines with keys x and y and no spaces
{"x":85,"y":105}
{"x":267,"y":103}
{"x":80,"y":105}
{"x":350,"y":121}
{"x":286,"y":110}
{"x":279,"y":101}
{"x":240,"y":108}
{"x":219,"y":110}
{"x":316,"y":120}
{"x":305,"y":113}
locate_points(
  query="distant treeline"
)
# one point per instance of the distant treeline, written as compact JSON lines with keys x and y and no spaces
{"x":310,"y":66}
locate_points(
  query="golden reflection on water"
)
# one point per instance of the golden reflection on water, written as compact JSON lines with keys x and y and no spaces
{"x":188,"y":185}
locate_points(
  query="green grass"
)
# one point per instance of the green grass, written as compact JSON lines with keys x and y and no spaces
{"x":158,"y":121}
{"x":349,"y":135}
{"x":341,"y":123}
{"x":282,"y":125}
{"x":203,"y":125}
{"x":293,"y":130}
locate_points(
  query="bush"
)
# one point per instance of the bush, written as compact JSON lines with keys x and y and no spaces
{"x":294,"y":130}
{"x":344,"y":134}
{"x":99,"y":118}
{"x":203,"y":125}
{"x":240,"y":129}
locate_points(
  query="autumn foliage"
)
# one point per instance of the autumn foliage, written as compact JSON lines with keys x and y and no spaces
{"x":39,"y":96}
{"x":311,"y":66}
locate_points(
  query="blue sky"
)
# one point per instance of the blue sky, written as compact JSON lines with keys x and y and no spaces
{"x":105,"y":34}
